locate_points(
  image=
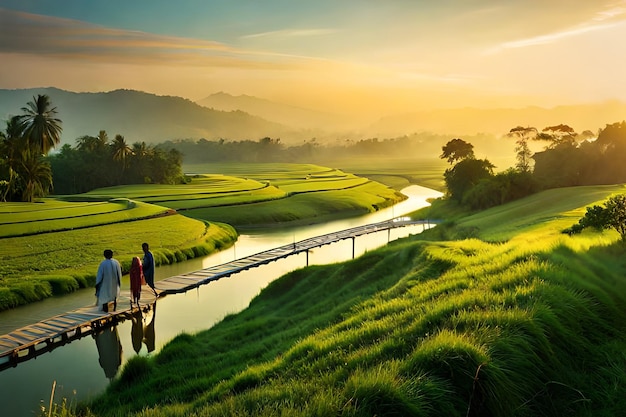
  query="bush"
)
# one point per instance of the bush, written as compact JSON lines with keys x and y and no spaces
{"x":180,"y":256}
{"x":30,"y":290}
{"x":60,"y":284}
{"x":136,"y":369}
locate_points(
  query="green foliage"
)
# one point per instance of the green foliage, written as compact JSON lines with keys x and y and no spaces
{"x":465,"y":175}
{"x":569,"y":162}
{"x":522,"y":151}
{"x":28,"y":137}
{"x":548,"y":211}
{"x":612,"y":215}
{"x":499,"y":189}
{"x":457,"y":150}
{"x":60,"y":284}
{"x":95,"y":162}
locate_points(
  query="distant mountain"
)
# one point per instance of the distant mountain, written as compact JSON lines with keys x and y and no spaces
{"x":284,"y":114}
{"x":459,"y":121}
{"x":467,"y":121}
{"x":140,"y":116}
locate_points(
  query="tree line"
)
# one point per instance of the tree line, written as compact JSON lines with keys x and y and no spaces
{"x":96,"y":161}
{"x":25,"y":173}
{"x":29,"y":171}
{"x":311,"y":151}
{"x":568,"y":159}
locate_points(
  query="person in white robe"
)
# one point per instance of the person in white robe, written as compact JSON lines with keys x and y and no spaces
{"x":108,"y":280}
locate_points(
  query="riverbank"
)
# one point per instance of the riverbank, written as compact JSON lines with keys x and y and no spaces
{"x":424,"y":326}
{"x":40,"y":266}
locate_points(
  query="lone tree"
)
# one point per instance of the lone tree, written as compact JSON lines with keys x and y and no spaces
{"x":40,"y":128}
{"x":457,"y":150}
{"x":467,"y":172}
{"x":611,"y":216}
{"x":523,"y":153}
{"x":558,"y":135}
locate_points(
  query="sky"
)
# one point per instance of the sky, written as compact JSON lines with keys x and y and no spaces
{"x":346,"y":56}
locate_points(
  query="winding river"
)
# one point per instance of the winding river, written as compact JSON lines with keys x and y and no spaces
{"x":84,"y":367}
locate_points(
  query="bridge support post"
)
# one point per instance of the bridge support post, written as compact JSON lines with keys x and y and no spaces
{"x":353,"y":244}
{"x":307,"y":257}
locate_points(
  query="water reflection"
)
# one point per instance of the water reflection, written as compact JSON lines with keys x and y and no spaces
{"x":148,"y":329}
{"x":142,"y":329}
{"x":109,"y":350}
{"x":136,"y":330}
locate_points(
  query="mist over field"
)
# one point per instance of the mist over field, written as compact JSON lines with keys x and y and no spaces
{"x":154,"y":119}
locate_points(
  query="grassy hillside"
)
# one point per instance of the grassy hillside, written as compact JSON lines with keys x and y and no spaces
{"x":54,"y":247}
{"x":532,"y":323}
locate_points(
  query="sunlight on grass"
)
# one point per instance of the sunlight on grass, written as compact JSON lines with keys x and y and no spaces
{"x":503,"y":327}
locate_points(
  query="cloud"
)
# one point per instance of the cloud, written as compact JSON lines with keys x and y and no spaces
{"x":291,"y":33}
{"x":31,"y":34}
{"x":601,"y":20}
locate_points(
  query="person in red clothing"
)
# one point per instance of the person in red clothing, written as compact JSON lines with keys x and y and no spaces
{"x":136,"y":280}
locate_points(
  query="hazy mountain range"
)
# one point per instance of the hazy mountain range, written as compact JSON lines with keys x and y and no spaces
{"x":141,"y":116}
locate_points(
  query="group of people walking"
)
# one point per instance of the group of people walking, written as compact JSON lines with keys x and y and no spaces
{"x":109,"y":278}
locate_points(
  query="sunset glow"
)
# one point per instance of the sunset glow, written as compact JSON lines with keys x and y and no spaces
{"x":349,"y":56}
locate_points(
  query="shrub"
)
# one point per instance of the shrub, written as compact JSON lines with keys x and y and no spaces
{"x":60,"y":284}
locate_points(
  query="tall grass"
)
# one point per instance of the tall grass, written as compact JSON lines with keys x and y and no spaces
{"x":418,"y":328}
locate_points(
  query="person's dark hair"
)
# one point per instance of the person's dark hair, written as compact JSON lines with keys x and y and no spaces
{"x":108,"y":253}
{"x":145,"y":245}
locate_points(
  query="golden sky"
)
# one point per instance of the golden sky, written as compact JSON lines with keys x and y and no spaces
{"x":366,"y":56}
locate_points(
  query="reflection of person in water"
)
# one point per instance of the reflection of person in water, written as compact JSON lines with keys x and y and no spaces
{"x":148,"y":330}
{"x":109,"y":350}
{"x":136,"y":332}
{"x":142,"y":330}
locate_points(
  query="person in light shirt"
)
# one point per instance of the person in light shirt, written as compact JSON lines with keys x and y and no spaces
{"x":108,"y":281}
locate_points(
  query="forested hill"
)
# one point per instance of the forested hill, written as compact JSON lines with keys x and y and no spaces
{"x":140,"y":116}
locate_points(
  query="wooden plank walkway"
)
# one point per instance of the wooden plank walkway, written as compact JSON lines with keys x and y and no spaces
{"x":33,"y":340}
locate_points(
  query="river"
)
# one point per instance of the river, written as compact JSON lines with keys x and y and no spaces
{"x":84,"y":367}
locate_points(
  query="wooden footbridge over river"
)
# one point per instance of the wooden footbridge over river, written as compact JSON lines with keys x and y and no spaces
{"x":36,"y":339}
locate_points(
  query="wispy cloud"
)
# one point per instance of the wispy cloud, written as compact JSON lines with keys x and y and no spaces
{"x":602,"y":20}
{"x":25,"y":33}
{"x":291,"y":33}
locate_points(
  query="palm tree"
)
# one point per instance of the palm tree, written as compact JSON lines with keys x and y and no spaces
{"x":87,"y":143}
{"x":39,"y":126}
{"x":36,"y":174}
{"x":121,"y":150}
{"x":141,"y":153}
{"x":10,"y":149}
{"x":102,"y":139}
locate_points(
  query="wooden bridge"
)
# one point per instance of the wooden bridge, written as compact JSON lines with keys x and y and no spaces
{"x":36,"y":339}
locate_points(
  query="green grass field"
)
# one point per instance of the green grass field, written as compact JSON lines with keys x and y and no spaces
{"x":520,"y":320}
{"x":50,"y":215}
{"x":38,"y":266}
{"x":44,"y":256}
{"x":397,"y":172}
{"x":277,"y":193}
{"x":54,"y":246}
